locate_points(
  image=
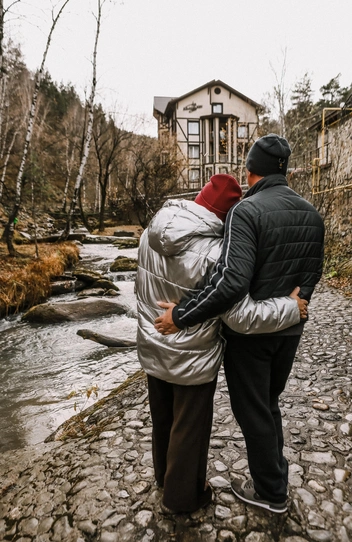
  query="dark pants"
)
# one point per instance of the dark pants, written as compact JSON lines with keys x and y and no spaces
{"x":257,"y":368}
{"x":182,"y":420}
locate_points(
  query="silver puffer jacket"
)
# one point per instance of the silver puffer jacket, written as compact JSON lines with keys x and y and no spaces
{"x":177,"y":252}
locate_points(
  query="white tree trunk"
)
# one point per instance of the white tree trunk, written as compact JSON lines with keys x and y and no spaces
{"x":4,"y":170}
{"x":9,"y":230}
{"x":69,"y":164}
{"x":89,"y":130}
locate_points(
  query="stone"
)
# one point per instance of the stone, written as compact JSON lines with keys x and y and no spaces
{"x":240,"y":465}
{"x":87,"y":526}
{"x":348,"y":523}
{"x":328,"y":508}
{"x":239,"y":523}
{"x":219,"y":482}
{"x":320,"y":535}
{"x":343,"y":535}
{"x":123,"y":263}
{"x":71,"y":311}
{"x":144,"y":517}
{"x":141,"y":487}
{"x":320,"y":406}
{"x":107,"y":536}
{"x":258,"y":537}
{"x":306,"y":497}
{"x":319,"y":457}
{"x":341,"y":475}
{"x":337,"y":495}
{"x":126,"y":242}
{"x":316,"y":520}
{"x":226,"y":536}
{"x":316,"y":487}
{"x":29,"y":526}
{"x":220,"y":466}
{"x":346,"y":429}
{"x":227,"y":498}
{"x":113,"y":520}
{"x":222,"y":512}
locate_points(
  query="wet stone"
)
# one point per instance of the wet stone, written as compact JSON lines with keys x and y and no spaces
{"x":222,"y":512}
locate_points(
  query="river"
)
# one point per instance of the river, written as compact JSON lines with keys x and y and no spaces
{"x":42,"y":364}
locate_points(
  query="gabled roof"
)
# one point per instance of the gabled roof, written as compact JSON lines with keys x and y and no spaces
{"x":163,"y":103}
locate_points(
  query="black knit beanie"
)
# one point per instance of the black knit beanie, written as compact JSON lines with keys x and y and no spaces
{"x":268,"y":155}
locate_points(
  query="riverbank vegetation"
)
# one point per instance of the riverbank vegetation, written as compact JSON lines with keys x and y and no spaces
{"x":338,"y":267}
{"x":25,"y":281}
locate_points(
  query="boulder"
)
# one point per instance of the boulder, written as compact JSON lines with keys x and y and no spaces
{"x":112,"y":293}
{"x":106,"y":284}
{"x":73,"y":311}
{"x":126,"y":242}
{"x":91,"y":292}
{"x":123,"y":263}
{"x":99,"y":239}
{"x":86,"y":275}
{"x":62,"y":286}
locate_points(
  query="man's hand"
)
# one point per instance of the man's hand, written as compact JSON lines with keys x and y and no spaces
{"x":302,"y":303}
{"x":164,"y":324}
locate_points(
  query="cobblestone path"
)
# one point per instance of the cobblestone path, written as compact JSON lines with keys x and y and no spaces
{"x":100,"y":486}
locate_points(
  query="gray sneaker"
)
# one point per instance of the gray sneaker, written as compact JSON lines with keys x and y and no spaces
{"x":246,"y":492}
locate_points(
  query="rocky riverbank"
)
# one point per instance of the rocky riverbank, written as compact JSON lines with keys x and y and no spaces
{"x":97,"y":484}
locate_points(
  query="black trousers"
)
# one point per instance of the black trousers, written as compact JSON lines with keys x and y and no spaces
{"x":182,"y":420}
{"x":257,"y":368}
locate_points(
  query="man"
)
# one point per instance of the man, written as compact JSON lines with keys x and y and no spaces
{"x":273,"y":242}
{"x":177,"y":251}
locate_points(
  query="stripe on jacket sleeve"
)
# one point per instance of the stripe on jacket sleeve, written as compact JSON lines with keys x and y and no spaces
{"x":214,"y":289}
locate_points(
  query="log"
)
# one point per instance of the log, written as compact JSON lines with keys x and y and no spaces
{"x":106,"y":341}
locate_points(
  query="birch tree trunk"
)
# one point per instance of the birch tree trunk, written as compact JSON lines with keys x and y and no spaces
{"x":4,"y":170}
{"x":9,"y":228}
{"x":89,"y":130}
{"x":69,"y":164}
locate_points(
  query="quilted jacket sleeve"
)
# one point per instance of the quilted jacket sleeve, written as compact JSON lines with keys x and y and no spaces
{"x":267,"y":316}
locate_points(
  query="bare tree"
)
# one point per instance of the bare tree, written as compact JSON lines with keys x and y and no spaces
{"x":9,"y":228}
{"x":89,"y":129}
{"x":150,"y":175}
{"x":3,"y":13}
{"x":280,"y":93}
{"x":110,"y":143}
{"x":72,"y":129}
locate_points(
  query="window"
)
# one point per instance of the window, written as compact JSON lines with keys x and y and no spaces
{"x":193,"y":151}
{"x":193,"y":127}
{"x":217,"y":90}
{"x":242,"y":131}
{"x":208,"y":173}
{"x":223,"y":170}
{"x":193,"y":175}
{"x":217,"y":108}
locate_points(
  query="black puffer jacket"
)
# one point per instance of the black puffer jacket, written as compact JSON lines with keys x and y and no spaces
{"x":273,"y":242}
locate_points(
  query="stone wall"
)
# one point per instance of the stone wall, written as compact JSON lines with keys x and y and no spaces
{"x":332,"y":185}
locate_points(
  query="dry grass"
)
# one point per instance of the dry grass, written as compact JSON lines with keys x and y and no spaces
{"x":25,"y":281}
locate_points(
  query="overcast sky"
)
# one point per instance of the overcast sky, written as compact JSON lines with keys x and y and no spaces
{"x":167,"y":48}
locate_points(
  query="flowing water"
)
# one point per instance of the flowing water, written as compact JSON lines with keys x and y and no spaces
{"x":40,"y":365}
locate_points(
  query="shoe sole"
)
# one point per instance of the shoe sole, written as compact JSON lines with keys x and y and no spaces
{"x":267,"y":506}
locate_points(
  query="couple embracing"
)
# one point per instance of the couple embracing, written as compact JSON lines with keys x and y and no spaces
{"x":227,"y":271}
